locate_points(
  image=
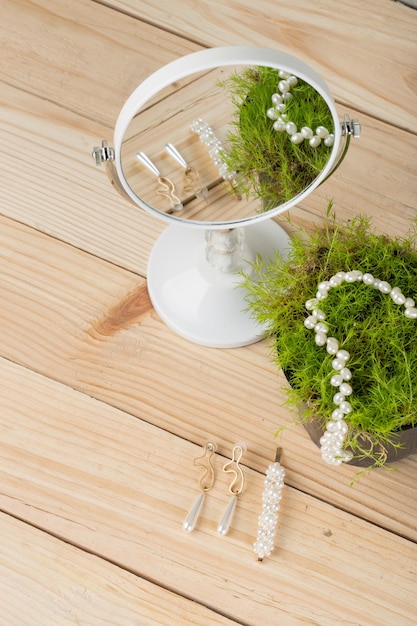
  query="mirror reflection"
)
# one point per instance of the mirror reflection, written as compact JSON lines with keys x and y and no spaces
{"x":227,"y":144}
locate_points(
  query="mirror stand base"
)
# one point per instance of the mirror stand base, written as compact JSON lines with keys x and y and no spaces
{"x":201,"y":303}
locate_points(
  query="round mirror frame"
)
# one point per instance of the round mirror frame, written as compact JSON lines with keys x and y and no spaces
{"x":204,"y":60}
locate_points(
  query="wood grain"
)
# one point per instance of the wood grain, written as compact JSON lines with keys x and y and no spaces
{"x":116,"y":486}
{"x":357,"y":66}
{"x":89,"y":325}
{"x":103,"y":408}
{"x":80,"y":588}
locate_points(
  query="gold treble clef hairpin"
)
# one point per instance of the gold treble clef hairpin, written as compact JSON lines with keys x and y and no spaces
{"x":192,"y":182}
{"x":165,"y":187}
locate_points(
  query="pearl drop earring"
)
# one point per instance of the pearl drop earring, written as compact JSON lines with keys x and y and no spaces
{"x":333,"y":440}
{"x":235,"y":488}
{"x":206,"y":484}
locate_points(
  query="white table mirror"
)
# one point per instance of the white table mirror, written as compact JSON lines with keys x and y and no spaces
{"x":185,"y":150}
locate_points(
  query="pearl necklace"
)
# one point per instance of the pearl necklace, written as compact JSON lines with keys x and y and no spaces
{"x":333,"y":439}
{"x":282,"y":123}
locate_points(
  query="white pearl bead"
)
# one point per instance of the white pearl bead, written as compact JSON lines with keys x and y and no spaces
{"x":368,"y":279}
{"x":306,"y":132}
{"x":346,"y":389}
{"x":336,"y":380}
{"x":338,"y":364}
{"x":287,"y":96}
{"x":311,"y":304}
{"x":276,"y":98}
{"x":345,"y":406}
{"x":331,"y":426}
{"x":322,"y":132}
{"x":283,"y":86}
{"x":321,"y":295}
{"x":346,"y":373}
{"x":310,"y":322}
{"x":321,"y":327}
{"x":320,"y":339}
{"x":398,"y":298}
{"x":315,"y":141}
{"x":329,"y":141}
{"x":337,"y":415}
{"x":297,"y":138}
{"x":324,"y":285}
{"x":332,"y":345}
{"x":376,"y":284}
{"x":291,"y":128}
{"x":292,"y":81}
{"x":335,"y":281}
{"x":384,"y":287}
{"x":321,"y":316}
{"x":284,"y":74}
{"x":280,"y":107}
{"x":411,"y":313}
{"x":350,"y":277}
{"x":359,"y":275}
{"x":343,"y":355}
{"x":280,"y":126}
{"x":409,"y":302}
{"x":338,"y":397}
{"x":272,"y":114}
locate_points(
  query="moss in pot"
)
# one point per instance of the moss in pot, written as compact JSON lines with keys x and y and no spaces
{"x":373,"y":327}
{"x":274,"y":161}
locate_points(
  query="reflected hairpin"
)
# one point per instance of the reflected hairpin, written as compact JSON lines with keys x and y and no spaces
{"x":192,"y":182}
{"x":283,"y":124}
{"x":165,"y":187}
{"x":215,"y":148}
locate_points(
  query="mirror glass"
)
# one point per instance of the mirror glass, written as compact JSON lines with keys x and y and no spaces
{"x":243,"y":140}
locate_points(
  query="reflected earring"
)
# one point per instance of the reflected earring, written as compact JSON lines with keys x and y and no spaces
{"x":271,"y":497}
{"x":165,"y":187}
{"x":206,"y":484}
{"x":192,"y":182}
{"x":236,"y":486}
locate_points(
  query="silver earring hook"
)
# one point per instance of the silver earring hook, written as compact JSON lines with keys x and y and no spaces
{"x":145,"y":160}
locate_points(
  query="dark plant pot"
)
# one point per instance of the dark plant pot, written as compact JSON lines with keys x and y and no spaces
{"x":406,"y":438}
{"x":405,"y":441}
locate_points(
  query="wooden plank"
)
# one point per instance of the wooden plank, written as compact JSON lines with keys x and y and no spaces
{"x":358,"y":51}
{"x":118,"y":487}
{"x":44,"y":172}
{"x":88,"y":58}
{"x":46,"y":581}
{"x":90,"y":325}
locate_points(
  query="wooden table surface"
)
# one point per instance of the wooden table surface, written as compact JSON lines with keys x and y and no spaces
{"x":103,"y":407}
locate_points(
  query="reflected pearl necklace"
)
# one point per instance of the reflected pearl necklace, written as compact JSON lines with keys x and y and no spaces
{"x":281,"y":121}
{"x":333,"y":439}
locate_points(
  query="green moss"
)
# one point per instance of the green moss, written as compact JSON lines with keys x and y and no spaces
{"x":380,"y":339}
{"x":269,"y":166}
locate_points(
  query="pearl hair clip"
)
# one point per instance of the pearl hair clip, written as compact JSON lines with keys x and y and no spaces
{"x":334,"y":438}
{"x":214,"y":146}
{"x":166,"y":187}
{"x":282,"y":123}
{"x":271,"y":498}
